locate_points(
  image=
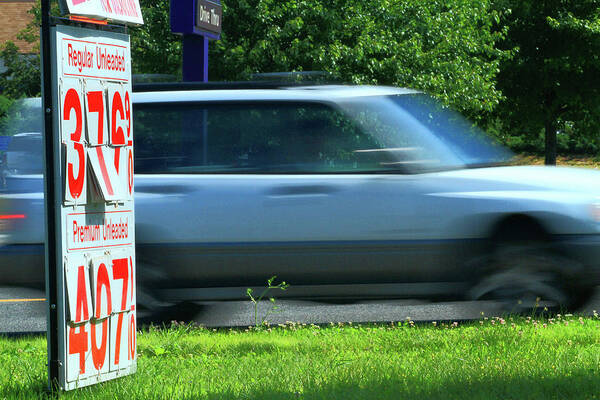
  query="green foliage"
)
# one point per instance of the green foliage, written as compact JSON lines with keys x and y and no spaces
{"x":22,"y":75}
{"x":5,"y":104}
{"x":272,"y":306}
{"x":444,"y":48}
{"x":518,"y":67}
{"x":154,"y":49}
{"x":21,"y":116}
{"x":553,"y":82}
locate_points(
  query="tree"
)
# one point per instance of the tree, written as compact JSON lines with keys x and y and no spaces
{"x":554,"y":78}
{"x":445,"y":48}
{"x":5,"y":104}
{"x":154,"y":48}
{"x":22,"y":75}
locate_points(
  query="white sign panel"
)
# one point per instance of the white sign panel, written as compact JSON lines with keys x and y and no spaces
{"x":127,"y":11}
{"x":97,"y":58}
{"x":95,"y":230}
{"x":97,"y":336}
{"x":102,"y":163}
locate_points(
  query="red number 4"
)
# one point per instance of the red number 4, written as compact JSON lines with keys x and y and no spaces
{"x":78,"y":344}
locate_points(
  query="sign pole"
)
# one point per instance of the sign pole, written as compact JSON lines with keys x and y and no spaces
{"x":49,"y":203}
{"x":195,"y":58}
{"x":198,"y":21}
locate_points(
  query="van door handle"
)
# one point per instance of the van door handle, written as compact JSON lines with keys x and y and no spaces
{"x":301,"y":190}
{"x":164,"y":189}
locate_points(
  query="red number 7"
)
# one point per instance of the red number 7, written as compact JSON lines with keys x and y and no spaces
{"x":96,"y":104}
{"x":121,"y":271}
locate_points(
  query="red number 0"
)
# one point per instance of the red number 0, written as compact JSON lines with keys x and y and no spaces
{"x":99,"y":353}
{"x":132,"y":329}
{"x":129,"y":143}
{"x":132,"y":338}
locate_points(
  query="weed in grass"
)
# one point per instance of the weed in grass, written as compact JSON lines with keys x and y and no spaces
{"x":272,"y":307}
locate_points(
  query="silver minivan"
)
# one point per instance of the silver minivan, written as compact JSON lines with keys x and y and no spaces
{"x":343,"y":191}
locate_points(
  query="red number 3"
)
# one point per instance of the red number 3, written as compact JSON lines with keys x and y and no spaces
{"x":73,"y":103}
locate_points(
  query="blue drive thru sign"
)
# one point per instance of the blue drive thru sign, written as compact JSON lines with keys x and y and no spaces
{"x":198,"y":21}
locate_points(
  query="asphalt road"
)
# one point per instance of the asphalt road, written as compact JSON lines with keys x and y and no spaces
{"x":24,"y":311}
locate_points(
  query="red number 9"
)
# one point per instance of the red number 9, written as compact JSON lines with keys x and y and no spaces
{"x":128,"y":113}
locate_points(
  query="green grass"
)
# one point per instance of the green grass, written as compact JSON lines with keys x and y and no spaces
{"x":515,"y":358}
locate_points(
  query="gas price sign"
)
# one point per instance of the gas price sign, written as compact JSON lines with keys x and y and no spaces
{"x":95,"y":222}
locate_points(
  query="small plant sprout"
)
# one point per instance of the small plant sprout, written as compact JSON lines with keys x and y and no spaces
{"x":273,"y":306}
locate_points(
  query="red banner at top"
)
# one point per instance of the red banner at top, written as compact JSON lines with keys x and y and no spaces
{"x":125,"y":11}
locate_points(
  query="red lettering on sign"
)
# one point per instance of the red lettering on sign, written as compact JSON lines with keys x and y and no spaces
{"x":121,"y":271}
{"x":76,"y":184}
{"x":99,"y":353}
{"x":105,"y":176}
{"x":72,"y":102}
{"x":128,"y":114}
{"x":122,"y":7}
{"x":80,"y":59}
{"x":78,"y":344}
{"x":131,"y":274}
{"x":82,"y":300}
{"x":130,"y":172}
{"x":129,"y":144}
{"x":103,"y":281}
{"x":106,"y":6}
{"x":110,"y":62}
{"x":118,"y":340}
{"x":117,"y":135}
{"x":96,"y":104}
{"x":132,"y":338}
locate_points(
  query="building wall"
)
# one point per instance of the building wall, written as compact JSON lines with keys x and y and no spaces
{"x":13,"y":18}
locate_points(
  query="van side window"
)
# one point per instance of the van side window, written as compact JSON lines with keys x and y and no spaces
{"x":257,"y":137}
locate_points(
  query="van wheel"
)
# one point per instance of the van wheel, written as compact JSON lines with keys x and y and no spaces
{"x":526,"y":278}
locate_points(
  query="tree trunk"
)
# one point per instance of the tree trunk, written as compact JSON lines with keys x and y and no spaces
{"x":550,"y":134}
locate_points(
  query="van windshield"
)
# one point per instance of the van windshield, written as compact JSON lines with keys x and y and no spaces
{"x":422,"y":133}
